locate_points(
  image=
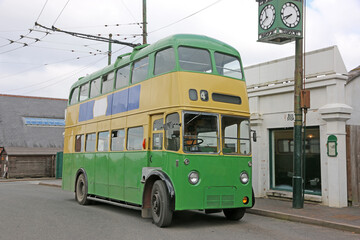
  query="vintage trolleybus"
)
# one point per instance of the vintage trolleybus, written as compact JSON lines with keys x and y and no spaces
{"x":165,"y":128}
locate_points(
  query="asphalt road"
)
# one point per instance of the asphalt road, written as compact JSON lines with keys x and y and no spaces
{"x":30,"y":211}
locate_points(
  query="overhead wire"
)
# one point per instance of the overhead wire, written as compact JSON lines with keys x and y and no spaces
{"x":37,"y":19}
{"x":66,"y":76}
{"x":39,"y":66}
{"x":60,"y":12}
{"x":182,"y":19}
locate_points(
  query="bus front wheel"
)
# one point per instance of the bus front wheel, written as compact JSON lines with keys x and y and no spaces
{"x":81,"y":190}
{"x":234,"y":214}
{"x":160,"y":205}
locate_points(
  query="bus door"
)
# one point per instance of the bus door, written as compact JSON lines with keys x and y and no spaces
{"x":156,"y":141}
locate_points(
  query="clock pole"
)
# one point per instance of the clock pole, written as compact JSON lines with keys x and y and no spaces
{"x":280,"y":22}
{"x":298,"y":201}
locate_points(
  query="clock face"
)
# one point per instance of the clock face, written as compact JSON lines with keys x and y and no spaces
{"x":267,"y":17}
{"x":290,"y":15}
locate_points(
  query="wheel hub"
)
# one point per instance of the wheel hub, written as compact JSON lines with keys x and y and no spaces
{"x":156,"y":203}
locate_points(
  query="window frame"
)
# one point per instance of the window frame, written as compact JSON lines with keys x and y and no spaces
{"x":107,"y":79}
{"x":128,"y":137}
{"x":72,"y":94}
{"x":174,"y":60}
{"x":82,"y":143}
{"x":133,"y":69}
{"x":98,"y":139}
{"x":88,"y":91}
{"x":86,"y":141}
{"x":198,"y":48}
{"x":128,"y":78}
{"x":112,"y":139}
{"x":238,"y":138}
{"x":229,"y":55}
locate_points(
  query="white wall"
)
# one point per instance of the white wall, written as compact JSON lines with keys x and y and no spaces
{"x":270,"y":91}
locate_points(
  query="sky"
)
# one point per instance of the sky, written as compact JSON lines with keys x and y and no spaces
{"x":46,"y":64}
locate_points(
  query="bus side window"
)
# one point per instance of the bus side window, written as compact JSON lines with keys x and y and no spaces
{"x":95,"y":87}
{"x":118,"y":140}
{"x":107,"y":83}
{"x":172,"y":132}
{"x":79,"y":143}
{"x":74,"y":96}
{"x":140,"y":70}
{"x":157,"y":136}
{"x":103,"y":142}
{"x":90,"y":142}
{"x":84,"y":92}
{"x":122,"y":77}
{"x":135,"y":138}
{"x":164,"y":61}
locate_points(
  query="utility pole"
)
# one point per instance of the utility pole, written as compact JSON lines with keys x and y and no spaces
{"x":144,"y":23}
{"x":298,"y":201}
{"x":109,"y":52}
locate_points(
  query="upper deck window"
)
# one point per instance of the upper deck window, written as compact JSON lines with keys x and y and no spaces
{"x":164,"y":61}
{"x":227,"y":65}
{"x":74,"y":96}
{"x":140,"y":70}
{"x":122,"y":77}
{"x":84,"y":92}
{"x":108,"y":83}
{"x":95,"y":88}
{"x":194,"y":59}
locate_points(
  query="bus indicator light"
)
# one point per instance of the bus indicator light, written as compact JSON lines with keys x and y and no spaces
{"x":144,"y":143}
{"x":245,"y":200}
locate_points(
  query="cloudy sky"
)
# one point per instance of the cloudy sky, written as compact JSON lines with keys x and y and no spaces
{"x":36,"y":63}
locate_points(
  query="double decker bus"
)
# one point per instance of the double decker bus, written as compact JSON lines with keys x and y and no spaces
{"x":165,"y":128}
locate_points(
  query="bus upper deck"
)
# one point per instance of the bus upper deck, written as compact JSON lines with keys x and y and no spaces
{"x":170,"y":64}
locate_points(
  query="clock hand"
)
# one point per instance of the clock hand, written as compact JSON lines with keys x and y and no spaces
{"x":287,"y":16}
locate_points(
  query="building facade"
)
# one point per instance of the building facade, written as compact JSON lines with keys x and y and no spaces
{"x":31,"y":133}
{"x":271,"y":97}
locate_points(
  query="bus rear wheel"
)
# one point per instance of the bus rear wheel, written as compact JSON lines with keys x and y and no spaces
{"x":160,"y":205}
{"x":234,"y":214}
{"x":81,"y":190}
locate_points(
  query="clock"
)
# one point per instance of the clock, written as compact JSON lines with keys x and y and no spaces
{"x":290,"y":14}
{"x":267,"y":17}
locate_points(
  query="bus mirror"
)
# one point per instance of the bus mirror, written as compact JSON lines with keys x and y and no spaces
{"x":254,"y":135}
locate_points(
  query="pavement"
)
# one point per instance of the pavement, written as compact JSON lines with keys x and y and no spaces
{"x":344,"y":219}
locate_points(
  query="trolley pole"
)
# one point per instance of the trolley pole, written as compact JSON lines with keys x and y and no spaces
{"x":109,"y":52}
{"x":144,"y":27}
{"x":298,"y":201}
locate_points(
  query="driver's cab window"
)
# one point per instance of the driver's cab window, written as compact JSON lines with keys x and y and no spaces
{"x":172,"y":132}
{"x":201,"y":133}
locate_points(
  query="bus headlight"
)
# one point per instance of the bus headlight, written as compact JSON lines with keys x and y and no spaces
{"x":244,"y":177}
{"x":193,"y":177}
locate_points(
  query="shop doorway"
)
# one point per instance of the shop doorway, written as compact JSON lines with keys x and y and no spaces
{"x":281,"y":160}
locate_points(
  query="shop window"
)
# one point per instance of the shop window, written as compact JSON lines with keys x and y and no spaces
{"x":282,"y":151}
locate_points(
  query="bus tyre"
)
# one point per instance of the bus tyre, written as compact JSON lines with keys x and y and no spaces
{"x":160,"y":205}
{"x":81,"y":190}
{"x":234,"y":214}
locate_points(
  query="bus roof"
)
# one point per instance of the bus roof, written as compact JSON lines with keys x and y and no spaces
{"x":141,"y":51}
